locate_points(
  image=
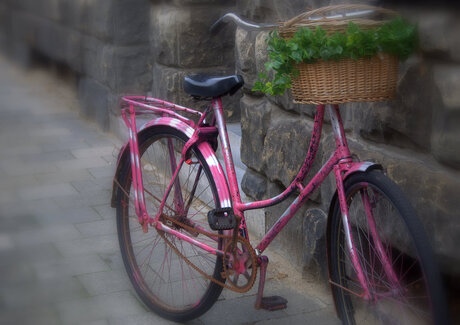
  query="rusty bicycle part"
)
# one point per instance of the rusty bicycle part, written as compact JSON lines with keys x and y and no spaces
{"x":248,"y":254}
{"x":240,"y":264}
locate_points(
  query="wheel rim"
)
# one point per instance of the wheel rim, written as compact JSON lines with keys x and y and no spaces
{"x":165,"y":279}
{"x":403,"y":299}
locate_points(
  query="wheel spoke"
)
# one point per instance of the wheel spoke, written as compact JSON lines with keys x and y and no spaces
{"x":392,"y":268}
{"x":169,"y":281}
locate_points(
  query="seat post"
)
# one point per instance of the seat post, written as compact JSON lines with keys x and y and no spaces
{"x":228,"y":158}
{"x":226,"y":149}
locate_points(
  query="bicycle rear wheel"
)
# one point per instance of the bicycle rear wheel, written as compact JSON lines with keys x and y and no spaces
{"x":411,"y":292}
{"x":165,"y":281}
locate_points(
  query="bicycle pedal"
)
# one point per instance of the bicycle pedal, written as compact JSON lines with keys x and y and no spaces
{"x":273,"y":303}
{"x":221,"y":219}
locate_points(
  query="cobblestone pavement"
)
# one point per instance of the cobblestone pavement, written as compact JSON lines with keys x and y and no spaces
{"x":59,"y":256}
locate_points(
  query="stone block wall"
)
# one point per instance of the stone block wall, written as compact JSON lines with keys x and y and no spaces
{"x":105,"y":43}
{"x":416,"y":137}
{"x":182,"y":45}
{"x":119,"y":47}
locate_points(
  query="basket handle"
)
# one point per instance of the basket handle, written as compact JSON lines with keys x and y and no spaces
{"x":322,"y":10}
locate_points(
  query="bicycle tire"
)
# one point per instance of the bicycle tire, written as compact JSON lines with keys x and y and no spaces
{"x":417,"y":297}
{"x":167,"y":277}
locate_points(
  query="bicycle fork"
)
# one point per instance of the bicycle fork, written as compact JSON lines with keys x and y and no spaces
{"x":382,"y":256}
{"x":344,"y":164}
{"x":348,"y":236}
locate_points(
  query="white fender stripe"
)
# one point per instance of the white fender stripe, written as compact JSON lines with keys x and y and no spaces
{"x":209,"y":154}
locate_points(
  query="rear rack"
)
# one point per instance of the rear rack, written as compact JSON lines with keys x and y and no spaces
{"x":149,"y":105}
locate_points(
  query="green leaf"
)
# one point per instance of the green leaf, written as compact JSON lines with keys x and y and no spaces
{"x":397,"y":37}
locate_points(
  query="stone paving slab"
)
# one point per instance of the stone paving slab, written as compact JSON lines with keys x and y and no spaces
{"x":64,"y":176}
{"x":97,"y":228}
{"x":46,"y":292}
{"x":59,"y":256}
{"x":48,"y":234}
{"x":46,"y":191}
{"x":37,"y":315}
{"x":105,"y":282}
{"x":68,"y":267}
{"x":95,"y":308}
{"x":84,"y":200}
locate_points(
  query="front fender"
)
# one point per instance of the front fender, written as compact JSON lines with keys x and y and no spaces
{"x":204,"y":148}
{"x":355,"y":168}
{"x":360,"y":167}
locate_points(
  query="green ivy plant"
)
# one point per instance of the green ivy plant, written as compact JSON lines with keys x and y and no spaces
{"x":397,"y":37}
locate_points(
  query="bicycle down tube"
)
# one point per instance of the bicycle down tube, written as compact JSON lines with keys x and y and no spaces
{"x":340,"y":157}
{"x":340,"y":162}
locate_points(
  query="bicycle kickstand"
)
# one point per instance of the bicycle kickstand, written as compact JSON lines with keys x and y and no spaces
{"x":269,"y":303}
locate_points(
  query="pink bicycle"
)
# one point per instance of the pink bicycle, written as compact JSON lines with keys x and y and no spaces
{"x":182,"y":229}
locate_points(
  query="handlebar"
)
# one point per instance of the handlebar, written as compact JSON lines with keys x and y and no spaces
{"x":220,"y":23}
{"x":250,"y":26}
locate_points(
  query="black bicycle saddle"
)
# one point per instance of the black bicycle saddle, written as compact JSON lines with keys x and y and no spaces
{"x":200,"y":85}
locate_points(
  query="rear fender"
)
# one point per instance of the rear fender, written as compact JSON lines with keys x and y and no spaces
{"x":203,"y":147}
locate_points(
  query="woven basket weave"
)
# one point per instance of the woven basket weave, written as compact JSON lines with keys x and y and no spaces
{"x":334,"y":82}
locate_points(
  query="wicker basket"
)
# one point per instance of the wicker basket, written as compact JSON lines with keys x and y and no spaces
{"x":333,"y":82}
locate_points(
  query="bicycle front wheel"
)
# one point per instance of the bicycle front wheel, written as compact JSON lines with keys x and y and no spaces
{"x":393,"y":251}
{"x":158,"y":264}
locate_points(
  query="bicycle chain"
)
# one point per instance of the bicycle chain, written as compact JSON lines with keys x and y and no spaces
{"x":228,"y":237}
{"x":211,"y":278}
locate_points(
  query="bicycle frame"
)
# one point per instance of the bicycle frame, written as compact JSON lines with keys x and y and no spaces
{"x":340,"y":162}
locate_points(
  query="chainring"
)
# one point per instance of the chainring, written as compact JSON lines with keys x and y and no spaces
{"x":240,"y":265}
